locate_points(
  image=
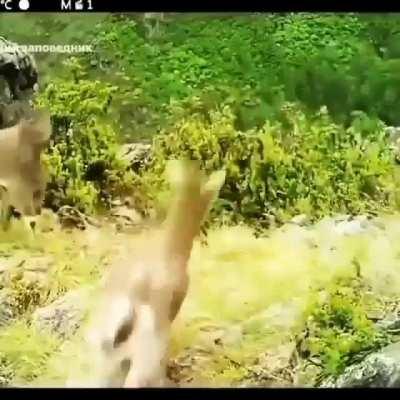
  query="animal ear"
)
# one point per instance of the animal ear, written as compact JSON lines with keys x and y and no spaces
{"x":210,"y":190}
{"x":3,"y":188}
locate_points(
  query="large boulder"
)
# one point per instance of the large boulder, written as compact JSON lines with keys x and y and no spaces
{"x":18,"y":82}
{"x":378,"y":370}
{"x":6,"y":308}
{"x":136,"y":154}
{"x":393,"y":135}
{"x":66,"y":315}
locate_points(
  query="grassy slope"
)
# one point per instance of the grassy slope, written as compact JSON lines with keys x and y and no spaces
{"x":249,"y":297}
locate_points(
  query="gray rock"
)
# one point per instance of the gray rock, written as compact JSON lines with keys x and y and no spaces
{"x":6,"y":309}
{"x":71,"y":217}
{"x":6,"y":377}
{"x":136,"y":154}
{"x":301,"y":220}
{"x":153,"y":23}
{"x":393,"y":137}
{"x":66,"y":315}
{"x":393,"y":133}
{"x":125,"y":218}
{"x":349,"y":228}
{"x":353,"y":225}
{"x":379,"y":370}
{"x":17,"y":67}
{"x":18,"y":82}
{"x":392,"y":324}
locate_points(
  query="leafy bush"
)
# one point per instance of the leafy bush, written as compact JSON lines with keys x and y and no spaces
{"x":24,"y":352}
{"x":339,"y":329}
{"x":83,"y":163}
{"x":297,"y":164}
{"x":240,"y":57}
{"x":251,"y":63}
{"x":382,"y":31}
{"x":304,"y":35}
{"x":347,"y":87}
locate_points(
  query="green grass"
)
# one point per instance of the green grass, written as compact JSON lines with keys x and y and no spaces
{"x":24,"y":351}
{"x":247,"y":296}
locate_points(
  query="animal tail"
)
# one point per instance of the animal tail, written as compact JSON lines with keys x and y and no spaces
{"x":193,"y":197}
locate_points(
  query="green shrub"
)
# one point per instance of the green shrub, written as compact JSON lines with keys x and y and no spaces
{"x":240,"y":57}
{"x":297,"y":164}
{"x":339,"y":329}
{"x":347,"y":87}
{"x":304,"y":35}
{"x":253,"y":64}
{"x":382,"y":30}
{"x":24,"y":352}
{"x":83,"y":162}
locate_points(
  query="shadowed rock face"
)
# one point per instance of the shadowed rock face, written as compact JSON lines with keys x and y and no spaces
{"x":378,"y":370}
{"x":17,"y":67}
{"x":64,"y":316}
{"x":18,"y":82}
{"x":22,"y":177}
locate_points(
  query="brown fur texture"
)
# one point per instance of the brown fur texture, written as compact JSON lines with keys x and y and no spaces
{"x":22,"y":177}
{"x":144,"y":293}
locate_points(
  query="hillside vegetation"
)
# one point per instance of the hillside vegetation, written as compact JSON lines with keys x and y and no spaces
{"x":295,"y":108}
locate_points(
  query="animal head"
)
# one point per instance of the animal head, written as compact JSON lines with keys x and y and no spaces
{"x":22,"y":174}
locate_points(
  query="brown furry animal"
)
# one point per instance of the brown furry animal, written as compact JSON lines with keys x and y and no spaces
{"x":22,"y":177}
{"x":144,"y":293}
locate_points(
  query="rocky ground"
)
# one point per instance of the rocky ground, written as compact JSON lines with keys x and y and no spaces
{"x":243,"y":321}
